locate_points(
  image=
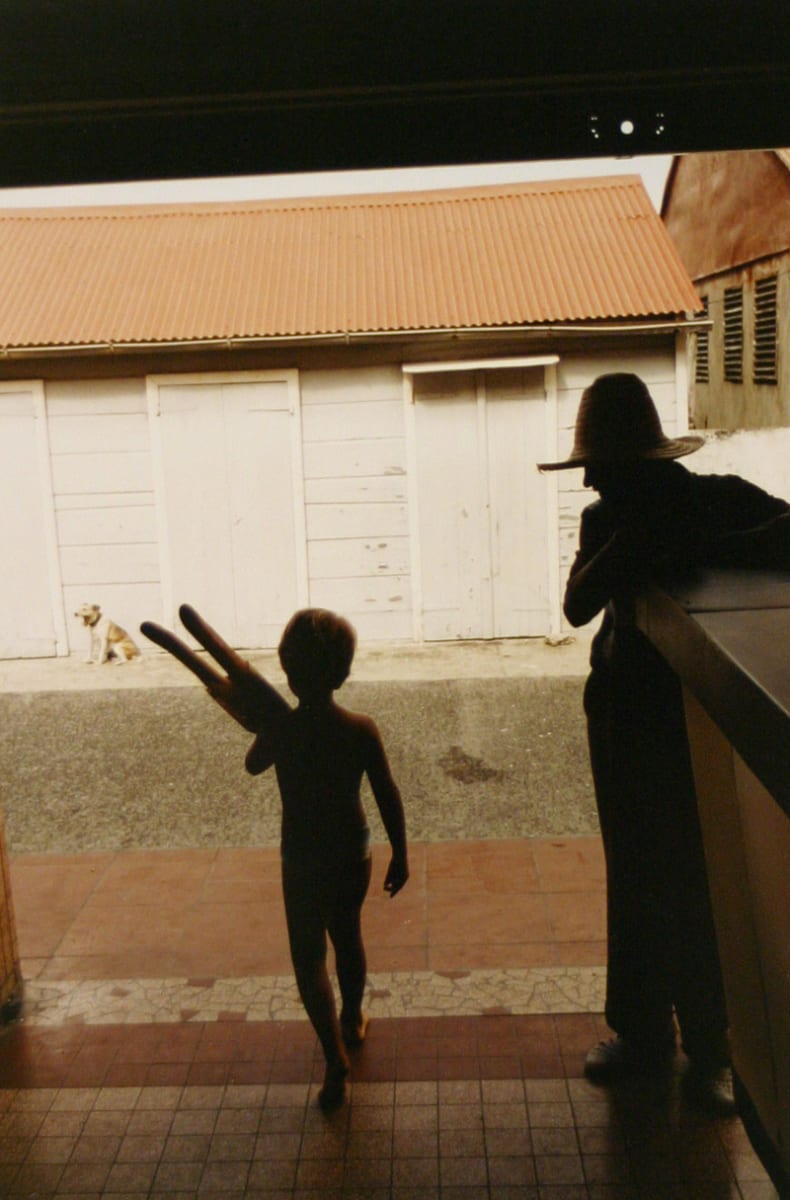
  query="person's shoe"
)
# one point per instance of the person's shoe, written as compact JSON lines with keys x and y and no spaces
{"x":621,"y":1057}
{"x":709,"y":1091}
{"x":353,"y":1032}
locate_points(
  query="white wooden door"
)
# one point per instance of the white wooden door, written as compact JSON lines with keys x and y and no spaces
{"x":29,"y":622}
{"x":483,"y":544}
{"x":230,"y":496}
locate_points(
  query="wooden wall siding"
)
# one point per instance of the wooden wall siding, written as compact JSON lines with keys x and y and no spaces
{"x":104,"y":503}
{"x":331,"y":446}
{"x":10,"y":979}
{"x":356,"y":510}
{"x":720,"y":404}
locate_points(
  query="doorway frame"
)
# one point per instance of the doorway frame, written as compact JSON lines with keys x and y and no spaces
{"x":549,"y":363}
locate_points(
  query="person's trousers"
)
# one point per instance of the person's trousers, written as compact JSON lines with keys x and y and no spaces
{"x":662,"y":953}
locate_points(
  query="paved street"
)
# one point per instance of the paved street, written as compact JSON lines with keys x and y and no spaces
{"x":486,"y":741}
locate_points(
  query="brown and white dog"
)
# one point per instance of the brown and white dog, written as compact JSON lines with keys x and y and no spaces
{"x":107,"y":640}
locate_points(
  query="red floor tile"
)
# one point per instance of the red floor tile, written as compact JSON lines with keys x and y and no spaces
{"x":156,"y":914}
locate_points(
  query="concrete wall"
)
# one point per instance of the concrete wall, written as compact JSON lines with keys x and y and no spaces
{"x":761,"y":456}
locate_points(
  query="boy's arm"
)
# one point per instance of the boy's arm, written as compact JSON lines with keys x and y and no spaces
{"x":249,"y":699}
{"x":390,"y":806}
{"x":241,"y":691}
{"x":260,"y":755}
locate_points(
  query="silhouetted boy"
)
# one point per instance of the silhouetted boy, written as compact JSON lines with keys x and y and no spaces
{"x":321,"y":752}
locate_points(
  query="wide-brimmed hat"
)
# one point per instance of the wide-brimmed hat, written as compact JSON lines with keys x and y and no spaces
{"x":618,"y":422}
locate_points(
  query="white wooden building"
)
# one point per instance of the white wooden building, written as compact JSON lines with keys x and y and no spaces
{"x":333,"y":402}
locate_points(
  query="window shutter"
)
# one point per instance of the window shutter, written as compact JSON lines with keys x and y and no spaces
{"x":702,"y":366}
{"x":733,"y":334}
{"x":765,"y":329}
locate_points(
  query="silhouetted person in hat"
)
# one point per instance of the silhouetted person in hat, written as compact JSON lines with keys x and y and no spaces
{"x":654,"y":520}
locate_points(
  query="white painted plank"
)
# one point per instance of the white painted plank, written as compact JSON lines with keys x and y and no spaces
{"x":378,"y":456}
{"x":104,"y":526}
{"x":86,"y":433}
{"x":91,"y":397}
{"x":77,"y":500}
{"x":357,"y":489}
{"x":655,"y":364}
{"x":358,"y":385}
{"x":387,"y":627}
{"x":338,"y":558}
{"x":390,"y":593}
{"x":108,"y":471}
{"x":355,"y":520}
{"x":349,"y":421}
{"x":86,"y":566}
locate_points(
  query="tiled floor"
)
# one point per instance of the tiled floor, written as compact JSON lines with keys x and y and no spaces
{"x":163,"y":1051}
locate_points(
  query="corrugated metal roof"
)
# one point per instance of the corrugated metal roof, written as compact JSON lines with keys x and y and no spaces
{"x":725,"y":209}
{"x":580,"y":250}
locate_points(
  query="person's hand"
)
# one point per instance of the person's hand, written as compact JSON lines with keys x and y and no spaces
{"x":397,"y":874}
{"x":234,"y":698}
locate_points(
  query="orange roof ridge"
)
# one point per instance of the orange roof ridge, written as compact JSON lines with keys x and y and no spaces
{"x":340,"y":200}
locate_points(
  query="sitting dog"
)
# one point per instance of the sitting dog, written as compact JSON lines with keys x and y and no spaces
{"x":107,"y":640}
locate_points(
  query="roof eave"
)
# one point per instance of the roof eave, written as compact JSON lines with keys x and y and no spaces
{"x":665,"y":323}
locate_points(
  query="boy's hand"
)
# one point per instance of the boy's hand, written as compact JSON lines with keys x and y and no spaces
{"x":234,"y":699}
{"x":397,"y":874}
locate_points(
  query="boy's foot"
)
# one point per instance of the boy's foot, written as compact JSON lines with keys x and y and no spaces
{"x":333,"y":1090}
{"x":354,"y":1031}
{"x":620,"y":1057}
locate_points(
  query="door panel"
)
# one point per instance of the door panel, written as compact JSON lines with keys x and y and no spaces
{"x":482,"y":517}
{"x":261,"y":498}
{"x":27,"y":626}
{"x":516,"y":423}
{"x":227,"y":469}
{"x":452,"y":516}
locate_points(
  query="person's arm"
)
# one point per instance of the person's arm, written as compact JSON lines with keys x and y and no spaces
{"x":765,"y":546}
{"x":249,"y":699}
{"x":260,"y":755}
{"x":390,"y":806}
{"x":607,"y":562}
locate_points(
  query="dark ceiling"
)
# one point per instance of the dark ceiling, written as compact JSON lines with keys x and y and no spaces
{"x":94,"y":90}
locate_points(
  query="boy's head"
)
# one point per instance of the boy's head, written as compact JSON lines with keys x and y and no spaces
{"x":316,"y":650}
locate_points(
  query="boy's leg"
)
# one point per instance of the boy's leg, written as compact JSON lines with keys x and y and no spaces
{"x":307,"y":938}
{"x":345,"y":929}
